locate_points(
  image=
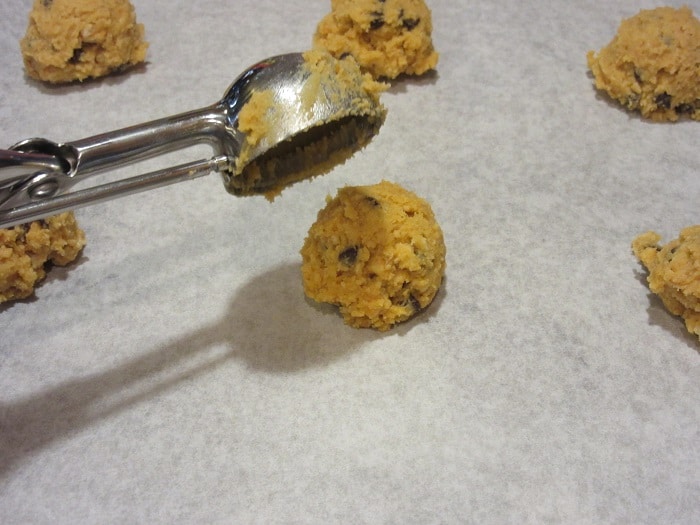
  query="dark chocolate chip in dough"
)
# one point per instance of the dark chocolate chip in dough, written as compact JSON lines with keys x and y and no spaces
{"x":638,"y":75}
{"x":377,"y":20}
{"x":410,"y":23}
{"x":663,"y":100}
{"x":686,"y":109}
{"x":348,"y":256}
{"x":374,"y":202}
{"x":76,"y":56}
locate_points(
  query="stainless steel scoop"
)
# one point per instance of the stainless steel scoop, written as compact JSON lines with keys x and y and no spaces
{"x":318,"y":117}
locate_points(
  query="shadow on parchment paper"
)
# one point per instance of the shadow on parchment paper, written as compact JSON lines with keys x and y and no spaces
{"x":114,"y":78}
{"x":268,"y":325}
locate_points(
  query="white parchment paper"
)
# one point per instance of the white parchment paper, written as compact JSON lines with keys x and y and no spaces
{"x":177,"y":374}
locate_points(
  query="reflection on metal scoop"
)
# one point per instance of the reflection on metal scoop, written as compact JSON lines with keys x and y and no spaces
{"x":285,"y":119}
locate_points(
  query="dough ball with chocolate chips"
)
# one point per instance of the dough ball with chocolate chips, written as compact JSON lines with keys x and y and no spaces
{"x":375,"y":251}
{"x":69,"y":40}
{"x":386,"y":37}
{"x":29,"y":250}
{"x":652,"y":65}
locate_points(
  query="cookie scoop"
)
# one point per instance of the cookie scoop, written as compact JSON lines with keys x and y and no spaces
{"x":285,"y":119}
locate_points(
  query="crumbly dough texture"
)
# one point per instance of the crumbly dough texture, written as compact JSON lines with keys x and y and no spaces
{"x":69,"y":40}
{"x":27,"y":252}
{"x":387,"y":37}
{"x":674,"y":272}
{"x":652,"y":65}
{"x":375,"y":251}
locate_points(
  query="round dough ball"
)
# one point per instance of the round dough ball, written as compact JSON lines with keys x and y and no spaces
{"x":68,"y":40}
{"x":652,"y":65}
{"x":386,"y":37}
{"x":377,"y":252}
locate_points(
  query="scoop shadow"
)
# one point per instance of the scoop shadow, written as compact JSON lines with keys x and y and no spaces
{"x":267,"y":325}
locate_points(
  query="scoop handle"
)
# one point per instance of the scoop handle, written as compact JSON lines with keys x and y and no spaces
{"x":14,"y":165}
{"x":40,"y":208}
{"x":39,"y":172}
{"x":132,"y":144}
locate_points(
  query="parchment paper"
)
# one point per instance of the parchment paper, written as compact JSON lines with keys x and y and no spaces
{"x":177,"y":374}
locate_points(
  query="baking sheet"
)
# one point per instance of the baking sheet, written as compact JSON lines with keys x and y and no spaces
{"x":176,"y":373}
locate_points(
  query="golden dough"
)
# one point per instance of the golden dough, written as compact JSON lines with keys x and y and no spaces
{"x":652,"y":65}
{"x":68,"y":40}
{"x":28,"y":250}
{"x":674,"y":272}
{"x":377,"y":252}
{"x":386,"y":37}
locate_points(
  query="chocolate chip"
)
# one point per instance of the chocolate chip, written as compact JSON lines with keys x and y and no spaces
{"x":77,"y":53}
{"x":348,"y":256}
{"x":374,"y":202}
{"x":637,"y":75}
{"x":47,"y":3}
{"x":663,"y":100}
{"x":410,"y":302}
{"x":410,"y":23}
{"x":415,"y":303}
{"x":377,"y":20}
{"x":685,"y":109}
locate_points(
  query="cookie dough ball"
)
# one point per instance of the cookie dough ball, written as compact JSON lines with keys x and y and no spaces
{"x":375,"y":251}
{"x":28,"y":251}
{"x":674,"y":272}
{"x":70,"y":40}
{"x":652,"y":65}
{"x":387,"y":37}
